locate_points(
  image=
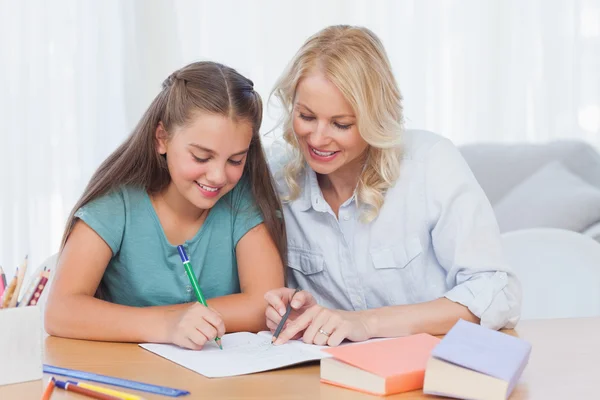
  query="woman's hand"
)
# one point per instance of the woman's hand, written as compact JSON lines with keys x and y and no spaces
{"x":194,"y":326}
{"x":315,"y":324}
{"x":278,"y":300}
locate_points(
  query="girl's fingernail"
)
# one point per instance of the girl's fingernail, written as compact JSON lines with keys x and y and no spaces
{"x":295,"y":303}
{"x":282,"y":311}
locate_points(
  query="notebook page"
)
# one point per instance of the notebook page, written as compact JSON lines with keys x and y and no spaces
{"x":243,"y":353}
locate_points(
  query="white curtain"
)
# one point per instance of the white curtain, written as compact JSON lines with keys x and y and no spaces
{"x":76,"y":75}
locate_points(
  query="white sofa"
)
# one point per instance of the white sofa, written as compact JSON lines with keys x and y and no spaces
{"x":553,"y":185}
{"x":569,"y":286}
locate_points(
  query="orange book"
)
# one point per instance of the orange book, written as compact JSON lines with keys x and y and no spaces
{"x":381,"y":367}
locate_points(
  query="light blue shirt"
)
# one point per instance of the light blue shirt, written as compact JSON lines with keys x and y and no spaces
{"x":435,"y":236}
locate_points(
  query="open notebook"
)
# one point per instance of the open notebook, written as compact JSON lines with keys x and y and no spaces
{"x":243,"y":353}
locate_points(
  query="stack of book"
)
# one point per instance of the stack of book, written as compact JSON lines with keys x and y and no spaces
{"x":470,"y":362}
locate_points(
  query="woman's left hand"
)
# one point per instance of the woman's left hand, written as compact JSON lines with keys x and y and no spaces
{"x":323,"y":326}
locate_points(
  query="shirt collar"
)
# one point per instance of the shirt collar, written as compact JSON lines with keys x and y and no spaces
{"x":311,"y":195}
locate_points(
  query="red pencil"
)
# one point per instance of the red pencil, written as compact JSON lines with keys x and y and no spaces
{"x":35,"y":297}
{"x":2,"y":281}
{"x":28,"y":294}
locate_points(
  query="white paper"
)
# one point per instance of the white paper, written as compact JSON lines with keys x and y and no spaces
{"x":243,"y":353}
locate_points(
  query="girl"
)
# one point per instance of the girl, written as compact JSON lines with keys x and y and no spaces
{"x":389,"y":233}
{"x":193,"y":173}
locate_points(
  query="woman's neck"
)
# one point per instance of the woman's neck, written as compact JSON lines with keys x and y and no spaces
{"x":340,"y":185}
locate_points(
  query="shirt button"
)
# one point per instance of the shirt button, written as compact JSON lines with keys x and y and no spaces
{"x":188,"y":288}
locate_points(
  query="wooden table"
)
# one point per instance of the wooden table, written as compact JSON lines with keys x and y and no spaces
{"x":564,"y":364}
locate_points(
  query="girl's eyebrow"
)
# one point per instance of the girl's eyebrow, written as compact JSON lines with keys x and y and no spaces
{"x":239,"y":153}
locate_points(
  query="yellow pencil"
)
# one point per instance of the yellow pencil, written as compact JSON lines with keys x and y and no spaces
{"x":21,"y":277}
{"x":8,"y":293}
{"x":111,"y":392}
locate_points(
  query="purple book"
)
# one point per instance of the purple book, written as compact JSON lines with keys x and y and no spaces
{"x":484,"y":350}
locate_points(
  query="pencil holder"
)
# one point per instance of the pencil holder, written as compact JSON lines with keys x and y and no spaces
{"x":20,"y":344}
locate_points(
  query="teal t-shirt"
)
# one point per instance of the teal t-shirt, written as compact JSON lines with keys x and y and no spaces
{"x":146,"y":270}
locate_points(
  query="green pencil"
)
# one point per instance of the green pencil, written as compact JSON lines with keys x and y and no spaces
{"x":190,"y":274}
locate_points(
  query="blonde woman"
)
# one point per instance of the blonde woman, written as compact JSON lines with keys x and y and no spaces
{"x":389,"y":233}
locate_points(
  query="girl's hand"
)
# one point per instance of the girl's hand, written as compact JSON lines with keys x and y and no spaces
{"x":194,"y":326}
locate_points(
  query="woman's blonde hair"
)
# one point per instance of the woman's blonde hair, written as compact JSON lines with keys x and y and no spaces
{"x":354,"y":60}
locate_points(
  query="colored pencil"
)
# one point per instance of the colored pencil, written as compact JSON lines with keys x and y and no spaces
{"x":49,"y":389}
{"x":2,"y":281}
{"x":35,"y":297}
{"x":21,"y":277}
{"x":86,"y":392}
{"x":8,"y":293}
{"x":188,"y":269}
{"x":112,"y":392}
{"x":28,"y":294}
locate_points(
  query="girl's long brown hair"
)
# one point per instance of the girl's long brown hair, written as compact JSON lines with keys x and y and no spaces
{"x":202,"y":86}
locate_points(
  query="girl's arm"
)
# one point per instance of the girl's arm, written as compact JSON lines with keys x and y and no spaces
{"x":73,"y":311}
{"x":260,"y":270}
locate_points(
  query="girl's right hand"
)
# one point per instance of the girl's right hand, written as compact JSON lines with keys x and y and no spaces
{"x":194,"y":326}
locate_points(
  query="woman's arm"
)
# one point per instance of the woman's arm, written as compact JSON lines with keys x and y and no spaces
{"x":435,"y":317}
{"x":467,"y":242}
{"x":260,"y":270}
{"x":324,"y":326}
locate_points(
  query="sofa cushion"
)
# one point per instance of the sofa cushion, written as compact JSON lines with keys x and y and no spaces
{"x":552,"y":197}
{"x":593,"y":232}
{"x":500,"y":167}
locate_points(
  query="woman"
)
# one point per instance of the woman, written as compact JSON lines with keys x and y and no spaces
{"x":389,"y":233}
